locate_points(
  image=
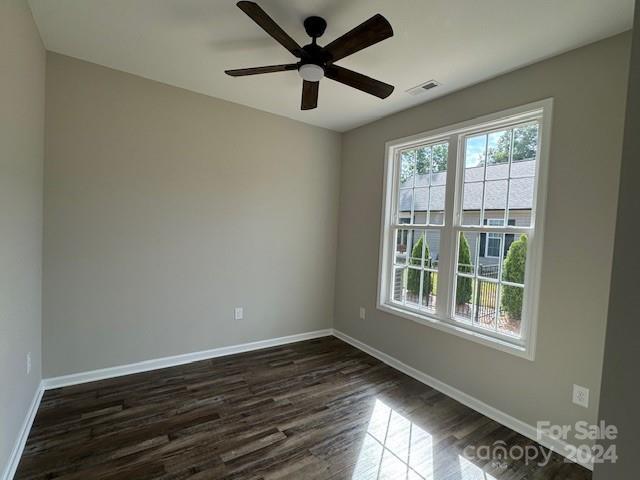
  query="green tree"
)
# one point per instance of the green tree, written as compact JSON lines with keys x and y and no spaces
{"x":407,"y":166}
{"x":439,"y":157}
{"x":413,"y":278}
{"x":513,"y":271}
{"x":525,"y":144}
{"x":423,"y":160}
{"x":423,"y":157}
{"x":499,"y":153}
{"x":464,"y":287}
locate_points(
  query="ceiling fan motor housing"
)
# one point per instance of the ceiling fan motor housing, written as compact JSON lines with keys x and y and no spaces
{"x":314,"y":59}
{"x":315,"y":26}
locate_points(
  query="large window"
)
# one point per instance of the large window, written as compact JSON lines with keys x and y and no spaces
{"x":461,"y":240}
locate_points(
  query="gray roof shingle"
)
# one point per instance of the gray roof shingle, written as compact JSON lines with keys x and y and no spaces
{"x":520,"y":191}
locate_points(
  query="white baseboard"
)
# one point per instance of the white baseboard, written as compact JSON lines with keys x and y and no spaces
{"x":513,"y":423}
{"x":529,"y":431}
{"x":164,"y":362}
{"x":16,"y":453}
{"x":145,"y":366}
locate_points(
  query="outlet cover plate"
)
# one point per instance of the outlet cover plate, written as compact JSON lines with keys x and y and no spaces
{"x":238,"y":313}
{"x":581,"y":396}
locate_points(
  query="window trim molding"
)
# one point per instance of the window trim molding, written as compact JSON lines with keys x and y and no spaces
{"x":525,"y":348}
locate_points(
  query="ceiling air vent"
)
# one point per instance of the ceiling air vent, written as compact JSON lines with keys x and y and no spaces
{"x":423,"y":87}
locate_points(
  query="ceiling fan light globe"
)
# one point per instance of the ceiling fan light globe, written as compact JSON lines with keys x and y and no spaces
{"x":311,"y":72}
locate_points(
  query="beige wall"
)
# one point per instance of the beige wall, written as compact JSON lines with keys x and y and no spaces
{"x":165,"y":209}
{"x":620,"y":389}
{"x":589,"y":87}
{"x":22,"y":77}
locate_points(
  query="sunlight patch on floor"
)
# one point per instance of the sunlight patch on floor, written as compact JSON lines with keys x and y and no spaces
{"x":394,"y":448}
{"x":469,"y":471}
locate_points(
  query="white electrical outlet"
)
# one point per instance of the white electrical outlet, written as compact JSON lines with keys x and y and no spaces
{"x":363,"y":313}
{"x":581,"y":396}
{"x":238,"y":313}
{"x":28,"y":363}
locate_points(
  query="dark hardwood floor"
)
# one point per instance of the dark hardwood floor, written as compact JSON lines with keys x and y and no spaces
{"x":319,"y":409}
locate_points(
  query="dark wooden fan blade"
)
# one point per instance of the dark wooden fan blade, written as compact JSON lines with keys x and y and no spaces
{"x":240,"y":72}
{"x":309,"y":95}
{"x":372,"y":31}
{"x":259,"y":16}
{"x":359,"y":81}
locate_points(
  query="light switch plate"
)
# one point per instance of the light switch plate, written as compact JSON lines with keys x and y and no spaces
{"x":238,"y":313}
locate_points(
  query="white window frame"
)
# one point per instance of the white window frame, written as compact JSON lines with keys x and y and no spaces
{"x":443,"y":318}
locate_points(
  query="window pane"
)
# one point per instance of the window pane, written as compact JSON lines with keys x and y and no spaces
{"x":485,"y":299}
{"x":521,"y":199}
{"x":464,"y":294}
{"x":476,"y":302}
{"x":498,"y":172}
{"x":525,"y":142}
{"x":468,"y":244}
{"x":440,"y":156}
{"x":414,"y":277}
{"x":420,"y":205}
{"x":423,"y":166}
{"x":436,"y":205}
{"x":498,"y":147}
{"x":405,"y":202}
{"x":429,"y":290}
{"x":510,"y":310}
{"x":468,"y":252}
{"x":416,"y":247}
{"x":472,"y":203}
{"x":523,"y":169}
{"x":477,"y":278}
{"x":421,"y":276}
{"x":432,"y":249}
{"x":399,"y":283}
{"x":474,"y":154}
{"x":515,"y":259}
{"x":475,"y":151}
{"x":402,"y":241}
{"x":491,"y":255}
{"x":407,"y":168}
{"x":409,"y":247}
{"x":495,"y":198}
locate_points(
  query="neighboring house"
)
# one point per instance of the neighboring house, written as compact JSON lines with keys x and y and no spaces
{"x":515,"y":195}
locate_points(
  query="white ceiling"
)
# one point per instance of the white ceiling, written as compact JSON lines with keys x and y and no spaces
{"x":189,"y":44}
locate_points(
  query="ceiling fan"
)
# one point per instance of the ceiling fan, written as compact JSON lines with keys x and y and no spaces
{"x":317,"y":62}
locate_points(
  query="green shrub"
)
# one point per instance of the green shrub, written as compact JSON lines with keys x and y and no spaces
{"x":413,"y":278}
{"x":464,"y":288}
{"x":513,"y":271}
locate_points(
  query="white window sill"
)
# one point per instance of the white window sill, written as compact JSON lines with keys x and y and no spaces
{"x":460,"y":331}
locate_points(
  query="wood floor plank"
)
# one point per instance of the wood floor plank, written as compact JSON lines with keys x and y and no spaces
{"x":318,"y":409}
